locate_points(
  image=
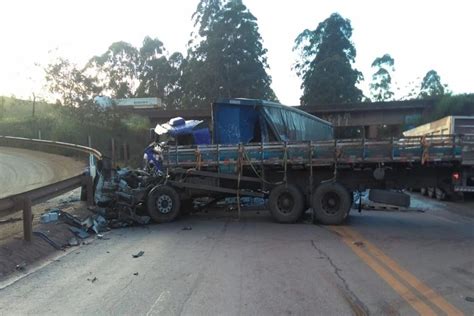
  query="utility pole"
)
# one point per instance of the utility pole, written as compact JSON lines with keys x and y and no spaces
{"x":34,"y":105}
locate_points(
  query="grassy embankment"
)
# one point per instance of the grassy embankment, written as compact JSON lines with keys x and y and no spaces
{"x":54,"y":122}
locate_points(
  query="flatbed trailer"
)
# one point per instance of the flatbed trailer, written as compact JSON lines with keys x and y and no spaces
{"x":295,"y":175}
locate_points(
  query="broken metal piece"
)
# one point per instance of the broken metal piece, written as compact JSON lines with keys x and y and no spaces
{"x":73,"y":242}
{"x":70,"y":219}
{"x":139,"y":254}
{"x":81,"y":233}
{"x":48,"y":240}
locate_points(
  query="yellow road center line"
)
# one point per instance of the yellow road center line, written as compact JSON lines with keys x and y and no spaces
{"x":408,"y":277}
{"x":402,"y":290}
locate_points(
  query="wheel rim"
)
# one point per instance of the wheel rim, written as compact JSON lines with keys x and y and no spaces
{"x":331,"y":203}
{"x":286,"y":203}
{"x":164,"y":204}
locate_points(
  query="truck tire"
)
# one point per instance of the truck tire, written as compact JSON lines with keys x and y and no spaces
{"x":331,"y":203}
{"x":440,"y":194}
{"x":163,"y":204}
{"x":286,"y":203}
{"x":430,"y":192}
{"x":389,"y":197}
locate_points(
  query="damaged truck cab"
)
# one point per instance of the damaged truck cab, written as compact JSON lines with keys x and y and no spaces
{"x":175,"y":132}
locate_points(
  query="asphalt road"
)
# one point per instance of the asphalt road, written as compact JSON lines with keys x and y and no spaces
{"x":386,"y":263}
{"x":22,"y":170}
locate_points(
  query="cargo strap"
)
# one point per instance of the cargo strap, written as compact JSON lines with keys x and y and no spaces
{"x":425,"y":156}
{"x":198,"y":155}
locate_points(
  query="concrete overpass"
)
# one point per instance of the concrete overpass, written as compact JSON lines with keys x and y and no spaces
{"x":367,"y":115}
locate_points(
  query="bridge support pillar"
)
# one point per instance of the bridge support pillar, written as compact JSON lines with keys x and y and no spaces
{"x":371,"y":131}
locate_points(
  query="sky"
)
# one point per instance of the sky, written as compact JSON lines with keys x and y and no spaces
{"x":420,"y":35}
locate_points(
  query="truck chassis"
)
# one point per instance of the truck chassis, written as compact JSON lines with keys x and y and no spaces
{"x":321,"y":175}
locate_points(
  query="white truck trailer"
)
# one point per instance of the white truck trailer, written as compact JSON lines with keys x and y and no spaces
{"x":462,"y":181}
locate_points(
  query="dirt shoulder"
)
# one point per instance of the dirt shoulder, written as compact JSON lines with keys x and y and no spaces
{"x":19,"y":256}
{"x":22,"y":170}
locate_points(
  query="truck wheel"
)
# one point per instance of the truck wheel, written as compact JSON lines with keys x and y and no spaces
{"x":430,"y":192}
{"x":163,"y":204}
{"x":331,"y":203}
{"x":286,"y":203}
{"x":440,"y":194}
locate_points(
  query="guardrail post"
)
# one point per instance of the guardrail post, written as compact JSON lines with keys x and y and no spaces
{"x":113,"y":152}
{"x":87,"y":181}
{"x":27,"y":220}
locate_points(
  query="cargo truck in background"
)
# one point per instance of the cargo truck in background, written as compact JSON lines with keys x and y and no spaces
{"x":462,"y":179}
{"x":289,"y":158}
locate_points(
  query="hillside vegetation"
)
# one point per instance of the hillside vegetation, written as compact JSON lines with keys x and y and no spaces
{"x":59,"y":123}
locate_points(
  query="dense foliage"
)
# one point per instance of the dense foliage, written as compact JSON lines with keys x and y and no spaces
{"x":462,"y":104}
{"x":380,"y":87}
{"x":226,"y":55}
{"x":325,"y":63}
{"x":431,"y":85}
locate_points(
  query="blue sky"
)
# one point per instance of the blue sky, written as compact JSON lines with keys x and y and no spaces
{"x":420,"y":35}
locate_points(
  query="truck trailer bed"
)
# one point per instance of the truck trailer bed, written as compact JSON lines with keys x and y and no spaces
{"x":423,"y":150}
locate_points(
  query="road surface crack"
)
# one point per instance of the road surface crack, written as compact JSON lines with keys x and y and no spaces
{"x":358,"y":307}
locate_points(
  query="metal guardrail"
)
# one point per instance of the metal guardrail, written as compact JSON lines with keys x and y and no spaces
{"x":25,"y":200}
{"x":80,"y":148}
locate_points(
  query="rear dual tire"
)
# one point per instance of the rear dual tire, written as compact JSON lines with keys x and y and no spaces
{"x":286,"y":203}
{"x":331,"y":203}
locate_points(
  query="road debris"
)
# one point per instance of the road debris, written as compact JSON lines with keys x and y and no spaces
{"x":48,"y":240}
{"x":136,"y":273}
{"x":469,"y":299}
{"x":92,"y":280}
{"x":187,"y":228}
{"x":79,"y":232}
{"x":73,"y":242}
{"x":52,"y":215}
{"x":21,"y":266}
{"x":139,"y":254}
{"x":358,"y":243}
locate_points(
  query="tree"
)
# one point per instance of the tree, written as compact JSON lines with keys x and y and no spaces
{"x":126,"y":71}
{"x":226,"y":55}
{"x":73,"y":88}
{"x":381,"y":86}
{"x":325,"y":63}
{"x":431,"y":85}
{"x":117,"y":69}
